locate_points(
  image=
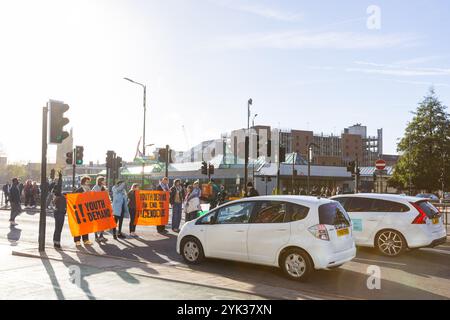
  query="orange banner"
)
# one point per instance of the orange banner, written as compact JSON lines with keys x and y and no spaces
{"x":152,"y":208}
{"x":89,"y":212}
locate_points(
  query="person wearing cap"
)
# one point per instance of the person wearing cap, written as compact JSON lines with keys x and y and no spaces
{"x":251,"y":191}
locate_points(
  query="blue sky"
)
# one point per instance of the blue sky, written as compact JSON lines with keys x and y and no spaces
{"x":306,"y":64}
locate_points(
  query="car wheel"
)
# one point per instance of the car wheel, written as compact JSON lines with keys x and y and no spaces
{"x":192,"y":250}
{"x":390,"y":243}
{"x":296,"y":264}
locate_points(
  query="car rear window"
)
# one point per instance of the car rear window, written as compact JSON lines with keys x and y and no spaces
{"x":428,"y":208}
{"x":333,"y":214}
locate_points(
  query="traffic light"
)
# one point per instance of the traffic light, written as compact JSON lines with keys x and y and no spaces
{"x":109,"y":159}
{"x":282,"y":154}
{"x":351,"y":167}
{"x":211,"y":169}
{"x":269,"y":148}
{"x":119,"y":163}
{"x":57,"y":121}
{"x":69,"y":157}
{"x":162,"y":155}
{"x":79,"y":155}
{"x":204,"y":168}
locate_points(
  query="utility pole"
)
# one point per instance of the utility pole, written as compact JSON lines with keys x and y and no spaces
{"x":247,"y":142}
{"x":43,"y":213}
{"x":167,"y":160}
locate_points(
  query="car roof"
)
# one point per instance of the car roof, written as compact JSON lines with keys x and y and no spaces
{"x":305,"y":200}
{"x":382,"y":196}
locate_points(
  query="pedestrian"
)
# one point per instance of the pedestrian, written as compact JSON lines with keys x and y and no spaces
{"x":192,"y":203}
{"x":176,"y":201}
{"x":84,"y":187}
{"x":251,"y":191}
{"x":6,"y":189}
{"x":302,"y":192}
{"x":338,"y":190}
{"x":36,"y":194}
{"x":223,"y":195}
{"x":132,"y":208}
{"x":328,"y":192}
{"x":28,"y":193}
{"x":120,"y":207}
{"x":214,"y":195}
{"x":59,"y":213}
{"x":100,"y":187}
{"x":14,"y":198}
{"x":163,"y":186}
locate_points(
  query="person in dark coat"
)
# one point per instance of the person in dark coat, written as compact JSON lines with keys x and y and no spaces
{"x":60,"y":211}
{"x":251,"y":191}
{"x":6,"y":189}
{"x":163,"y":186}
{"x":176,"y":201}
{"x":14,"y":198}
{"x":83,"y":188}
{"x":132,"y":208}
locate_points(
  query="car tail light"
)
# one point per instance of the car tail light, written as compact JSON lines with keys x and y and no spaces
{"x":422,"y":217}
{"x":320,"y":232}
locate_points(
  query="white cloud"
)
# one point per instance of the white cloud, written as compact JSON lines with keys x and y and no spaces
{"x":261,"y":10}
{"x":316,"y":40}
{"x":396,"y":70}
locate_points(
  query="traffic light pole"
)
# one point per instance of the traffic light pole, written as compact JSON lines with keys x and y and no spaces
{"x":43,"y":213}
{"x":73,"y":170}
{"x":167,"y":160}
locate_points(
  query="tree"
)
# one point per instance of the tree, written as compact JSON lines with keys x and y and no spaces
{"x":15,"y":171}
{"x":425,"y":148}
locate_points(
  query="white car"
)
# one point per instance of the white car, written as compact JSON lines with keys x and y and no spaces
{"x":393,"y":223}
{"x":296,"y":233}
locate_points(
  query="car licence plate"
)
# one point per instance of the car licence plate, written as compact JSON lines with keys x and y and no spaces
{"x":342,"y":232}
{"x":435,"y":220}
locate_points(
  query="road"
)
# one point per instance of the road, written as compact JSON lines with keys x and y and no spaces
{"x":418,"y":274}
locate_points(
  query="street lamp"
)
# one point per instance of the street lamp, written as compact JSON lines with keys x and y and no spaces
{"x":247,"y":142}
{"x":253,"y":121}
{"x":143,"y":135}
{"x":310,"y":145}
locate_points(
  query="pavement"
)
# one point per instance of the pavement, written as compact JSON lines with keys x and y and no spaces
{"x":419,"y":274}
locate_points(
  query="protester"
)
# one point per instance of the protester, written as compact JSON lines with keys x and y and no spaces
{"x":14,"y":198}
{"x":163,"y":186}
{"x":120,"y":207}
{"x":132,"y":208}
{"x":99,"y":187}
{"x":84,"y":187}
{"x":214,"y":199}
{"x":176,"y":200}
{"x":338,"y":190}
{"x":59,"y":213}
{"x":28,"y":193}
{"x":251,"y":191}
{"x":6,"y":189}
{"x":192,"y":203}
{"x":223,"y":195}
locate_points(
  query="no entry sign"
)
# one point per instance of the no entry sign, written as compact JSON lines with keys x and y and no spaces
{"x":380,"y":164}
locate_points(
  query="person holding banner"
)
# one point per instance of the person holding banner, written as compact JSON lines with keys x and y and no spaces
{"x":99,"y":187}
{"x":163,"y":186}
{"x":132,"y":208}
{"x":120,"y":207}
{"x":84,"y":187}
{"x":176,"y":200}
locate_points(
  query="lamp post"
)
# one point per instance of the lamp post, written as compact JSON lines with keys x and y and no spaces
{"x":253,"y":121}
{"x":310,"y":145}
{"x":143,"y":135}
{"x":247,"y":142}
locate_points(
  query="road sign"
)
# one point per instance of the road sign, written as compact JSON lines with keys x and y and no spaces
{"x":380,"y":164}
